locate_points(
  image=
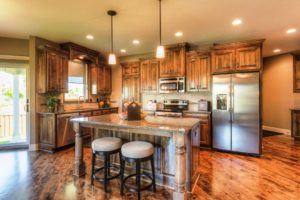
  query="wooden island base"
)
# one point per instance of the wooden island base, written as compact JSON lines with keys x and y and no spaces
{"x":176,"y":148}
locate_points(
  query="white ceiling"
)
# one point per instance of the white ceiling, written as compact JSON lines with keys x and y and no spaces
{"x":202,"y":22}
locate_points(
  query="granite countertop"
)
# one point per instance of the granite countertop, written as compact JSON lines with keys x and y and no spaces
{"x":186,"y":111}
{"x":150,"y":123}
{"x":77,"y":110}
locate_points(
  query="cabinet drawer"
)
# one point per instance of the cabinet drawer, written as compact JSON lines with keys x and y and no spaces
{"x":97,"y":113}
{"x":105,"y":112}
{"x":114,"y":110}
{"x":85,"y":114}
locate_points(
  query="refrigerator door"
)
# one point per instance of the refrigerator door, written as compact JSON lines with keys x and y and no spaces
{"x":246,"y":135}
{"x":221,"y":117}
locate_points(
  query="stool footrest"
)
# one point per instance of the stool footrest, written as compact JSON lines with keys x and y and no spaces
{"x":134,"y":188}
{"x":109,"y":177}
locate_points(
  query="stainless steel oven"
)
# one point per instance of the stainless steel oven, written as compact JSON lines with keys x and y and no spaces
{"x":171,"y":85}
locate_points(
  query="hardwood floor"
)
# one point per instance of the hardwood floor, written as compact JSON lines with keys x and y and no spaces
{"x":276,"y":175}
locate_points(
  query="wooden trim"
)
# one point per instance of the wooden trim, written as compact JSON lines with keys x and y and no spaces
{"x":277,"y":130}
{"x":229,"y":45}
{"x":13,"y":57}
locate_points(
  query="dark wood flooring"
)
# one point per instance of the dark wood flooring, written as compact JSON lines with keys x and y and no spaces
{"x":276,"y":175}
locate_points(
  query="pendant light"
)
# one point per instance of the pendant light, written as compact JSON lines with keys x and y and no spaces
{"x":112,"y":56}
{"x":160,"y":51}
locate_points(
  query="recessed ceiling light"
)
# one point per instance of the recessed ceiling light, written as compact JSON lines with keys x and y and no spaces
{"x":276,"y":50}
{"x":123,"y":50}
{"x":291,"y":30}
{"x":237,"y":22}
{"x":89,"y":37}
{"x":178,"y":34}
{"x":135,"y":41}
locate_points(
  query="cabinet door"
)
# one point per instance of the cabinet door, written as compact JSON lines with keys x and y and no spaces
{"x":297,"y":74}
{"x":52,"y":72}
{"x":101,"y":80}
{"x":63,"y":73}
{"x":131,"y":88}
{"x":223,"y":61}
{"x":296,"y":125}
{"x":178,"y":62}
{"x":93,"y":79}
{"x":153,"y":75}
{"x":145,"y":85}
{"x":204,"y":79}
{"x":107,"y":79}
{"x":248,"y":58}
{"x":204,"y":133}
{"x":192,"y":73}
{"x":165,"y":65}
{"x":47,"y":129}
{"x":126,"y":70}
{"x":135,"y":68}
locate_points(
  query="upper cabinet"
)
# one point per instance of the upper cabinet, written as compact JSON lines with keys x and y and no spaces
{"x":52,"y":70}
{"x":198,"y":71}
{"x":149,"y":75}
{"x":130,"y":68}
{"x":173,"y":65}
{"x":296,"y":73}
{"x":130,"y":81}
{"x":99,"y":79}
{"x":237,"y":57}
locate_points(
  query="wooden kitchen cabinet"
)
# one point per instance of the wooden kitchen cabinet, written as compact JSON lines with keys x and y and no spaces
{"x":223,"y":61}
{"x":296,"y":74}
{"x":52,"y":70}
{"x":131,"y":89}
{"x":149,"y":75}
{"x":173,"y":65}
{"x":237,"y":57}
{"x":99,"y":79}
{"x":130,"y":82}
{"x":248,"y":58}
{"x":130,"y":68}
{"x":205,"y":127}
{"x":295,"y":126}
{"x":198,"y":72}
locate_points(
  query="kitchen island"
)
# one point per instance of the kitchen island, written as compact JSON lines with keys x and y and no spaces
{"x":176,"y":143}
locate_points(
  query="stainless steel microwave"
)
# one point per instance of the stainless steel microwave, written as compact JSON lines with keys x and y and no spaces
{"x":172,"y":85}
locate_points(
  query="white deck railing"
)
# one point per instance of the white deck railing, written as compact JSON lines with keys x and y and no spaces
{"x":7,"y":128}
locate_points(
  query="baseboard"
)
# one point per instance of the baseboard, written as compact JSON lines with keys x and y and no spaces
{"x":277,"y":130}
{"x":34,"y":147}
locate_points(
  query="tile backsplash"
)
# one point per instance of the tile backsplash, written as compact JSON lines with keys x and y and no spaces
{"x":192,"y":97}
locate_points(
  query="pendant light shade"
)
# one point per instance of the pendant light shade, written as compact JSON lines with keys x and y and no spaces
{"x":160,"y":51}
{"x":112,"y":57}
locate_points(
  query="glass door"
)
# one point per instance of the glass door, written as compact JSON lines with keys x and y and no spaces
{"x":13,"y":102}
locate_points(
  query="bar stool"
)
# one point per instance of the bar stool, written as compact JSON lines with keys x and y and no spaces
{"x":137,"y":152}
{"x":106,"y":147}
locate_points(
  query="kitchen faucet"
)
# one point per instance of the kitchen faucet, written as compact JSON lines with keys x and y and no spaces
{"x":83,"y":100}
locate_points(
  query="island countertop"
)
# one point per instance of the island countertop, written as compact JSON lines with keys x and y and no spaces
{"x":160,"y":125}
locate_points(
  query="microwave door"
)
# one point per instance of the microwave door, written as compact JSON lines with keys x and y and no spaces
{"x":168,"y":87}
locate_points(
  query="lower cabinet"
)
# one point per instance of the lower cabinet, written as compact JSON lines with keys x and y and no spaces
{"x":296,"y":124}
{"x":205,"y":127}
{"x":56,"y":130}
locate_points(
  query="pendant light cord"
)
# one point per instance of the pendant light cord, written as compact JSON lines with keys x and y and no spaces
{"x":159,"y":22}
{"x":112,"y":34}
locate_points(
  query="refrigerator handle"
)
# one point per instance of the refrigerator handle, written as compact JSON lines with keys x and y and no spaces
{"x":232,"y":103}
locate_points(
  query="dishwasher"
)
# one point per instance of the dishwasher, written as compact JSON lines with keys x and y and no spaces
{"x":65,"y":133}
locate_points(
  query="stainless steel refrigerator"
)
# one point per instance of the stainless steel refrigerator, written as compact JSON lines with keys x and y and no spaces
{"x":236,"y":113}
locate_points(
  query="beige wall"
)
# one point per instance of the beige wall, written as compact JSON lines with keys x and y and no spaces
{"x":16,"y":47}
{"x":277,"y":91}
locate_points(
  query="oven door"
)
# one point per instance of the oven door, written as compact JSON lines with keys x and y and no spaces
{"x":168,"y":86}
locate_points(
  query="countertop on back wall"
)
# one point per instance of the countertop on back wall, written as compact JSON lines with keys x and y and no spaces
{"x":78,"y":110}
{"x":184,"y":112}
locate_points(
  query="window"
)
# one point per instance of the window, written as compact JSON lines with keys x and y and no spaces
{"x":77,"y":81}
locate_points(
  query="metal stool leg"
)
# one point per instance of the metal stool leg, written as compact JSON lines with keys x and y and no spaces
{"x":93,"y":168}
{"x":105,"y":172}
{"x":138,"y":178}
{"x":153,"y":175}
{"x":122,"y":163}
